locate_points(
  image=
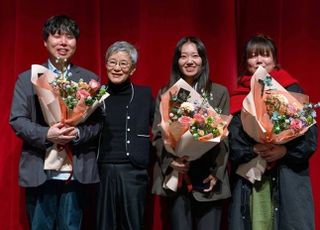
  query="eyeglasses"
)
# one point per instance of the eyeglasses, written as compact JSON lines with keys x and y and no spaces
{"x":123,"y":64}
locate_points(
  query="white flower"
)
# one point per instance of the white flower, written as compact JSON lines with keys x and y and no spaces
{"x":187,"y":106}
{"x":282,"y":99}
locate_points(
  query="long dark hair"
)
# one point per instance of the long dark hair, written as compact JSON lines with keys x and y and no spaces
{"x":202,"y":80}
{"x":259,"y":44}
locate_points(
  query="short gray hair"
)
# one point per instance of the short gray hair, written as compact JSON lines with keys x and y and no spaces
{"x":125,"y":47}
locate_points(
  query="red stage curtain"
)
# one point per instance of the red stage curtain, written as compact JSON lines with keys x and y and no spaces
{"x":154,"y":27}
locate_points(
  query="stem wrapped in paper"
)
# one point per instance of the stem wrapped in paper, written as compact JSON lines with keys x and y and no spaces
{"x":190,"y":126}
{"x":271,"y":114}
{"x":55,"y":109}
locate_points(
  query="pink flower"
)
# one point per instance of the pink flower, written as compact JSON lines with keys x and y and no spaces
{"x":82,"y":94}
{"x":198,"y":118}
{"x":291,"y":110}
{"x":296,"y":124}
{"x":218,"y":119}
{"x":94,"y":85}
{"x":185,"y":120}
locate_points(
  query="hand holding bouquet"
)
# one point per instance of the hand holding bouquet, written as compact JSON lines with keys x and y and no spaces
{"x":63,"y":100}
{"x":190,"y":126}
{"x":271,"y":114}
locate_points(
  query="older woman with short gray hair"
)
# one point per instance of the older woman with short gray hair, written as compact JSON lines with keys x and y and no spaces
{"x":123,"y":154}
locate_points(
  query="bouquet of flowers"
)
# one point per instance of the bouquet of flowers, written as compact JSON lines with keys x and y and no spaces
{"x":190,"y":126}
{"x":66,"y":101}
{"x":77,"y":99}
{"x":286,"y":116}
{"x":202,"y":121}
{"x":271,"y":114}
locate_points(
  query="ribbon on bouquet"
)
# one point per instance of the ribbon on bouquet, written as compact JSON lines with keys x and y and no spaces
{"x":184,"y":177}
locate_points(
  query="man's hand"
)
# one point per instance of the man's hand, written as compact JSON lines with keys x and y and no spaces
{"x":60,"y":134}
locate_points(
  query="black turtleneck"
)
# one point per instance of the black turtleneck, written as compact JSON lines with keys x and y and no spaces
{"x":113,"y":146}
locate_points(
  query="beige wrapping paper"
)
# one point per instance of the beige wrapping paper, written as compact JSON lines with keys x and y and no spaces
{"x":56,"y":159}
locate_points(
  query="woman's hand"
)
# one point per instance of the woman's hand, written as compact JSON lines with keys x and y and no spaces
{"x":212,"y":182}
{"x":261,"y":148}
{"x":181,"y":164}
{"x":270,"y":152}
{"x":275,"y":153}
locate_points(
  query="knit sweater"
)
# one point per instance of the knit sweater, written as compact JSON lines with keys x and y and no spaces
{"x":113,"y":144}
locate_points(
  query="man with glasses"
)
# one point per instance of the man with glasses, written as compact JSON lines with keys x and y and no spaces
{"x":123,"y":154}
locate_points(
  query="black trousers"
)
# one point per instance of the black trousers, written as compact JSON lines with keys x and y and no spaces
{"x":121,"y":197}
{"x":188,"y":213}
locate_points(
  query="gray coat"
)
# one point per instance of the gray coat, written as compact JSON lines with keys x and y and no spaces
{"x":28,"y":123}
{"x":217,"y":157}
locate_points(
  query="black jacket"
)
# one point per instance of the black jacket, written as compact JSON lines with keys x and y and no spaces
{"x":139,"y":117}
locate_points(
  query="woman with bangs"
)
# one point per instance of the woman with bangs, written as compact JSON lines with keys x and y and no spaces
{"x":200,"y":207}
{"x":283,"y":198}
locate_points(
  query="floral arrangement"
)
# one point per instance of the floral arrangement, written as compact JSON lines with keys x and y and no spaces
{"x":73,"y":93}
{"x":189,"y":126}
{"x":288,"y":116}
{"x":271,"y":114}
{"x":200,"y":117}
{"x":63,"y":100}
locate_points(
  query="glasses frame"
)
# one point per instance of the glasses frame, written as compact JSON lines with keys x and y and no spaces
{"x":124,"y":65}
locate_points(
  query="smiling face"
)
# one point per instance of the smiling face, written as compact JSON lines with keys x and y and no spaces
{"x":190,"y":62}
{"x":61,"y":45}
{"x":119,"y":67}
